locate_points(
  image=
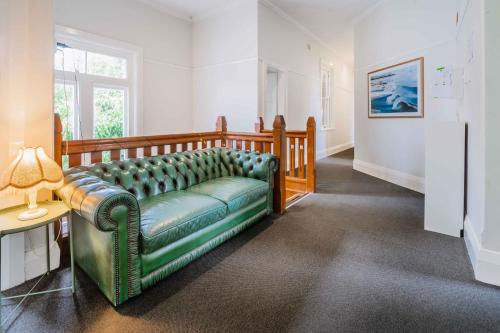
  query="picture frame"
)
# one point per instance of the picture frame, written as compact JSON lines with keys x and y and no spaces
{"x":397,"y":91}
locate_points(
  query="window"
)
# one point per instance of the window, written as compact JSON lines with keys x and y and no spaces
{"x":64,"y":104}
{"x":327,"y":121}
{"x":94,"y":90}
{"x":109,"y":112}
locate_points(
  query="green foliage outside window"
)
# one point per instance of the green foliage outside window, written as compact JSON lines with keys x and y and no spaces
{"x":64,"y":106}
{"x":109,"y":105}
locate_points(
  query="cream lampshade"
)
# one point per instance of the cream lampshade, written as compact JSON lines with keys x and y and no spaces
{"x":31,"y":171}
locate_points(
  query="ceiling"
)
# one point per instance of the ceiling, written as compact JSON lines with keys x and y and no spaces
{"x":330,"y":20}
{"x":186,"y":9}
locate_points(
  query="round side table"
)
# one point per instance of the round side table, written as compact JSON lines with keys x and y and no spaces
{"x":10,"y":224}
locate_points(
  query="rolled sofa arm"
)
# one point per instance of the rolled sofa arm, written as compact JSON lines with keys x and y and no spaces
{"x":106,"y":232}
{"x":95,"y":199}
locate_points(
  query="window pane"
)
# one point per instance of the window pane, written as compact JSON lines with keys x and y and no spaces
{"x":100,"y":64}
{"x":73,"y":59}
{"x":109,"y":112}
{"x":64,"y":105}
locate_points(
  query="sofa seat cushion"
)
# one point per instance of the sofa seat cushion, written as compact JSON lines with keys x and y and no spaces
{"x":236,"y":192}
{"x":168,"y":217}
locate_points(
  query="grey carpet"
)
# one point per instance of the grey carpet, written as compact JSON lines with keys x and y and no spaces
{"x":351,"y":258}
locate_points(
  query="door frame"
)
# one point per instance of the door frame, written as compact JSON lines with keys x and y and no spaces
{"x":282,"y":88}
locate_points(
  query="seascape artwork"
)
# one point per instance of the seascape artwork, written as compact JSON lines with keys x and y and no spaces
{"x":396,"y":91}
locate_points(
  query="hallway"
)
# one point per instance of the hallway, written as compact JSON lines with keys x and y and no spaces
{"x":351,"y":258}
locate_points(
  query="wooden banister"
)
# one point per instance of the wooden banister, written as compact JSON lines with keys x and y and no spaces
{"x":301,"y":156}
{"x":279,"y":129}
{"x":58,"y":139}
{"x":311,"y":155}
{"x":259,"y":125}
{"x":221,"y":127}
{"x":78,"y":152}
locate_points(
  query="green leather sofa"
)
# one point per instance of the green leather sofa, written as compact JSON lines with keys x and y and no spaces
{"x":136,"y":221}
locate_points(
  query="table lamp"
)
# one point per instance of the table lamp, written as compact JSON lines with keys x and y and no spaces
{"x":31,"y":171}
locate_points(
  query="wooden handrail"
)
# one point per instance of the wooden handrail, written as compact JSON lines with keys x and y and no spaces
{"x":261,"y":137}
{"x":272,"y":141}
{"x":99,"y":145}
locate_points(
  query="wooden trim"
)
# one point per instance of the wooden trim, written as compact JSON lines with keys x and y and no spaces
{"x":311,"y":155}
{"x":292,"y":144}
{"x":259,"y":125}
{"x":256,"y":137}
{"x":301,"y":165}
{"x":296,"y":138}
{"x":58,"y":139}
{"x":221,"y":128}
{"x":262,"y":140}
{"x":421,"y":89}
{"x":296,"y":184}
{"x":133,"y":142}
{"x":58,"y":136}
{"x":279,"y":195}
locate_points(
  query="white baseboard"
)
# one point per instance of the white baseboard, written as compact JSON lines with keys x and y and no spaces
{"x":486,"y":263}
{"x":333,"y":150}
{"x":393,"y":176}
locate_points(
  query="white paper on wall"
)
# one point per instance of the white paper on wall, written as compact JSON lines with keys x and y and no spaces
{"x":443,"y":82}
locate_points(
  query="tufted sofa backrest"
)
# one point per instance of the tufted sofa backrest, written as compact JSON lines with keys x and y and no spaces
{"x":150,"y":176}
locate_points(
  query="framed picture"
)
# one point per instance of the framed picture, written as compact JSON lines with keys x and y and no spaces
{"x":397,"y":91}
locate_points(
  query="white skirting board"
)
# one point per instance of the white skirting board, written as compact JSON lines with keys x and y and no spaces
{"x":486,"y":263}
{"x":393,"y":176}
{"x":333,"y":150}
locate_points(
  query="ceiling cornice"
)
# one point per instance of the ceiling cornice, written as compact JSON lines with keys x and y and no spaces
{"x":367,"y":12}
{"x":302,"y":28}
{"x":196,"y":18}
{"x":215,"y":11}
{"x":166,"y":10}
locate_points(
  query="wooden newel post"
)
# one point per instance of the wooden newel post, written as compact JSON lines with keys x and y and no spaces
{"x":221,"y":126}
{"x":259,"y":125}
{"x":58,"y":139}
{"x":279,"y":138}
{"x":311,"y":155}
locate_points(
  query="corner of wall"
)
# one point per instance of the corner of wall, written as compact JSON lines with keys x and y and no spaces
{"x":334,"y":150}
{"x":486,"y":263}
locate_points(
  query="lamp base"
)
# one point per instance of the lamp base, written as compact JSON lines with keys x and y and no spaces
{"x":32,"y":214}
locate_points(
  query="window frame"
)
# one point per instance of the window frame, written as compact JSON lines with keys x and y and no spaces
{"x":85,"y":83}
{"x":331,"y":125}
{"x":76,"y":120}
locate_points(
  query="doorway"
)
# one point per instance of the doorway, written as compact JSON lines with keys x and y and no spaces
{"x":275,"y":95}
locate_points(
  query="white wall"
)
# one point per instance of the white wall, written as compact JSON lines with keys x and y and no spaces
{"x":395,"y":148}
{"x":26,"y":58}
{"x":395,"y":31}
{"x":166,"y":44}
{"x":470,"y":37}
{"x":225,"y":67}
{"x":492,"y":126}
{"x":284,"y":44}
{"x":478,"y":41}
